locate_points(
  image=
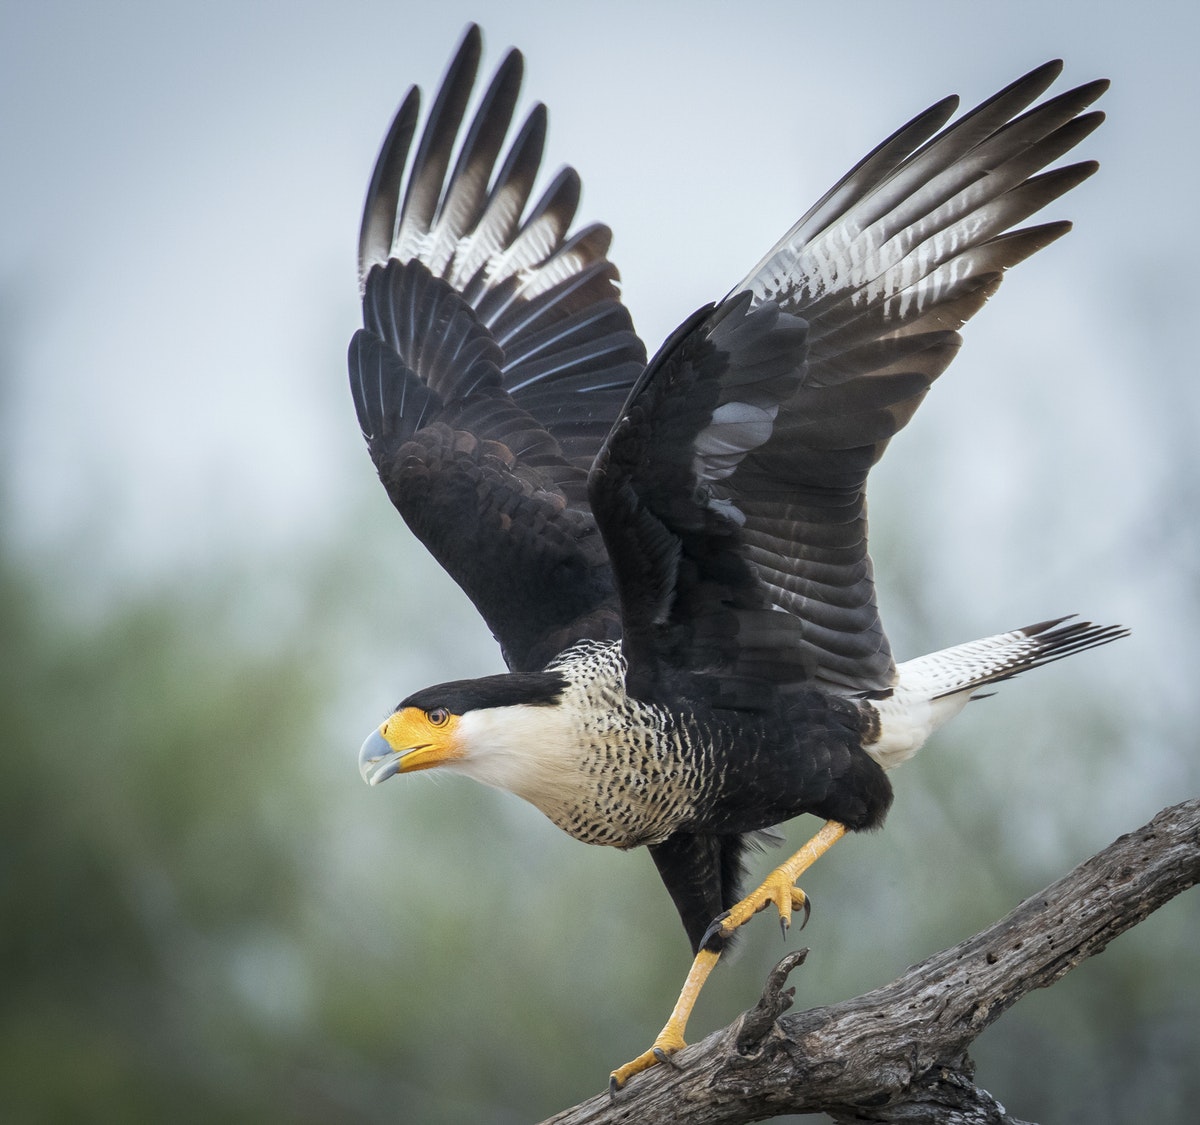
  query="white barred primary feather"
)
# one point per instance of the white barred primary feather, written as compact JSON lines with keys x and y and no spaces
{"x":466,"y":227}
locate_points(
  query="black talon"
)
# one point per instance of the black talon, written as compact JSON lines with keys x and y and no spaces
{"x":663,"y":1057}
{"x":714,"y":927}
{"x":807,"y":911}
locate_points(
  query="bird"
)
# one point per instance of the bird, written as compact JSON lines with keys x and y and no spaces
{"x":671,"y":550}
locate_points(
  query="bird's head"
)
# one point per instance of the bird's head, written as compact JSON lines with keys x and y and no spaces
{"x":411,"y":738}
{"x":464,"y":723}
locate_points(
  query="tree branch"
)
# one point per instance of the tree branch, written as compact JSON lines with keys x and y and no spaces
{"x":899,"y":1053}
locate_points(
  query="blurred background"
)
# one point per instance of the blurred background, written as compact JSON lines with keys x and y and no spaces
{"x":206,"y":601}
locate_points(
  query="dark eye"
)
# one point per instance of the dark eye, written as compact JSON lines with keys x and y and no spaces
{"x":439,"y":716}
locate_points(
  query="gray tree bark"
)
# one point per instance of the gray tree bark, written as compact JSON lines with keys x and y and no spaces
{"x":898,"y":1054}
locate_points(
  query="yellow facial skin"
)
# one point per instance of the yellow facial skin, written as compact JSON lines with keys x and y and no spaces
{"x":423,"y":739}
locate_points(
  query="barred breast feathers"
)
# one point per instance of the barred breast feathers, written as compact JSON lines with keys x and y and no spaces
{"x":603,"y":767}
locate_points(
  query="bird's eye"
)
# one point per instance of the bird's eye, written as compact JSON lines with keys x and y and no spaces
{"x":438,"y":716}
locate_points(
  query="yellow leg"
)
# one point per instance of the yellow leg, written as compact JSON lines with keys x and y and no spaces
{"x":779,"y":888}
{"x":670,"y":1039}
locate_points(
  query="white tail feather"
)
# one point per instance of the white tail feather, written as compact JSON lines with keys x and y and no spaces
{"x":931,"y":690}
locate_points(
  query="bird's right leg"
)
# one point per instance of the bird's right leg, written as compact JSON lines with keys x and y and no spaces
{"x":779,"y":887}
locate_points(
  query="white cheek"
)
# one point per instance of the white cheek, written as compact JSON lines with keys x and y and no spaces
{"x":524,"y":750}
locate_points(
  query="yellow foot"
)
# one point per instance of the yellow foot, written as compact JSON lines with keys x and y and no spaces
{"x":668,"y":1042}
{"x":779,"y":888}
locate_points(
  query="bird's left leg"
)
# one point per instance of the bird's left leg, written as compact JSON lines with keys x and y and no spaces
{"x":670,"y":1039}
{"x":779,"y":888}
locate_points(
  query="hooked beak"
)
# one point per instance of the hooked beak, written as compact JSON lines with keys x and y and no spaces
{"x":377,"y":761}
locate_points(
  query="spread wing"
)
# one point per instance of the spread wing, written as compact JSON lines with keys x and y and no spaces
{"x":494,"y":356}
{"x":733,"y":487}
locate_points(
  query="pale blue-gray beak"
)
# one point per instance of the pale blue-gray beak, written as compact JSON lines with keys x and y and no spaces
{"x":377,"y":761}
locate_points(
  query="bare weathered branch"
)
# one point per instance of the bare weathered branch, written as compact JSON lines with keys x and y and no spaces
{"x":899,"y":1053}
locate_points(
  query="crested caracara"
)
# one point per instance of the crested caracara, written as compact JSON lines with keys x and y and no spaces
{"x":672,"y":553}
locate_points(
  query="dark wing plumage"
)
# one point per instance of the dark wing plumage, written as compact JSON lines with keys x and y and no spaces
{"x":494,"y":355}
{"x":690,"y":599}
{"x":766,"y":413}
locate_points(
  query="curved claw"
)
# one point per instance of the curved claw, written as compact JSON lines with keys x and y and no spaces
{"x":667,"y":1057}
{"x":715,"y":927}
{"x":785,"y":923}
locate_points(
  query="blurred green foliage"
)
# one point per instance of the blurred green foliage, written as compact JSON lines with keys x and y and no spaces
{"x":207,"y":916}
